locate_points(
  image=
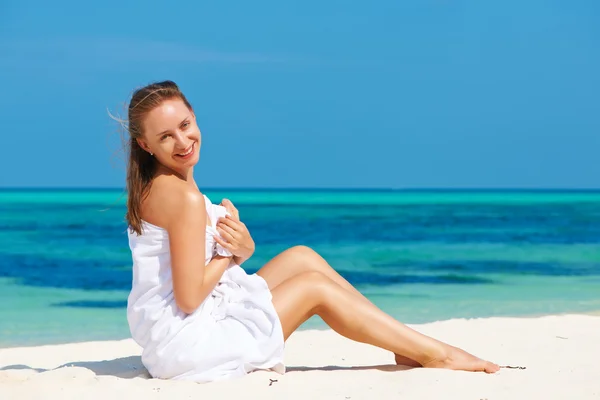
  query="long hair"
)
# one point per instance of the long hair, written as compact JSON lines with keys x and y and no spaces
{"x":141,"y":166}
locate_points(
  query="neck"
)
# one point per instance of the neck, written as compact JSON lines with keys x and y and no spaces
{"x":186,"y":174}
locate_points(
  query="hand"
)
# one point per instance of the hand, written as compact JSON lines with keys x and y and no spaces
{"x":235,"y":236}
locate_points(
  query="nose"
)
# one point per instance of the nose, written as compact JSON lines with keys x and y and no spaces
{"x":180,"y":139}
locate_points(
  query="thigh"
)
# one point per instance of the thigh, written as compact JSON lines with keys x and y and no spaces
{"x":297,"y":260}
{"x":296,"y":299}
{"x":286,"y":265}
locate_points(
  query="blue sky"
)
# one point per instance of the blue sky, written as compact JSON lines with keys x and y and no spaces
{"x":434,"y":93}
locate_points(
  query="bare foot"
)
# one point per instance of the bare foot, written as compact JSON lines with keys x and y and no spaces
{"x":401,"y":360}
{"x":459,"y":359}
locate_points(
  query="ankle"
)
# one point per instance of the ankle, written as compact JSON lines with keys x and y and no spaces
{"x":435,"y":352}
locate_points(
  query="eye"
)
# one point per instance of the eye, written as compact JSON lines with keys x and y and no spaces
{"x":163,"y":137}
{"x":185,"y":124}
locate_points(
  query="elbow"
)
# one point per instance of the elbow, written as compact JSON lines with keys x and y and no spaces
{"x":189,"y":295}
{"x":188,"y":306}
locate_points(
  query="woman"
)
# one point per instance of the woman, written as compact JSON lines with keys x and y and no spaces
{"x":192,"y":308}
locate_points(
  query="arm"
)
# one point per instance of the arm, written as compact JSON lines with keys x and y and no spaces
{"x":213,"y":272}
{"x":192,"y":280}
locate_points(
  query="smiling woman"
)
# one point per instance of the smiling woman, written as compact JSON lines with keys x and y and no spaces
{"x":194,"y":311}
{"x":171,"y":141}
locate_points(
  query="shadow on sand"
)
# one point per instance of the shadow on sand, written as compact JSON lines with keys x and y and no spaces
{"x":124,"y":367}
{"x":132,"y":367}
{"x":383,"y":367}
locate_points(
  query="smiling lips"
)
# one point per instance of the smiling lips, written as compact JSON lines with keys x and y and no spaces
{"x":188,"y":153}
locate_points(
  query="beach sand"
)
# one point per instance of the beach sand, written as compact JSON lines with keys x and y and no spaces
{"x":561,"y":355}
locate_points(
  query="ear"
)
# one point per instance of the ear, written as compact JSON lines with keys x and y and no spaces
{"x":143,"y":145}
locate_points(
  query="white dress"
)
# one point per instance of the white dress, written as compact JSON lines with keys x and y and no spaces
{"x":234,"y":331}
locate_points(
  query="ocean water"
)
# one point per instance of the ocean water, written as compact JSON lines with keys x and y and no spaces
{"x":65,"y":266}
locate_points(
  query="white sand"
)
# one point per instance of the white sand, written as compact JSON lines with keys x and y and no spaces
{"x":561,"y":355}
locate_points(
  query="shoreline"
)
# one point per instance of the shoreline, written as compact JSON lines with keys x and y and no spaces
{"x":554,"y":349}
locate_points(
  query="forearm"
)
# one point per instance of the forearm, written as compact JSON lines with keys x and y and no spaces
{"x":213,"y":272}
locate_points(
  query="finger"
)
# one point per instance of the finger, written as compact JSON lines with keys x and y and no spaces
{"x":232,"y":223}
{"x":236,"y":221}
{"x":226,"y":203}
{"x":223,"y":243}
{"x":229,"y":230}
{"x":230,"y":205}
{"x":231,"y":208}
{"x":225,"y":235}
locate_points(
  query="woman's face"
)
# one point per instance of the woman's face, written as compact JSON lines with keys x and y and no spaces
{"x":172,"y":135}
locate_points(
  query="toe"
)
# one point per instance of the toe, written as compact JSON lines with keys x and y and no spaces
{"x":490,"y":368}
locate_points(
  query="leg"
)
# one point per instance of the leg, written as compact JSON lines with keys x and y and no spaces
{"x":310,"y":293}
{"x":301,"y":259}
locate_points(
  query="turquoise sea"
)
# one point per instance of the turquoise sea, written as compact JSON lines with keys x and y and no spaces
{"x":65,"y":267}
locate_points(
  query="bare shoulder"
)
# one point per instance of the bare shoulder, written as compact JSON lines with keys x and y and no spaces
{"x":170,"y":200}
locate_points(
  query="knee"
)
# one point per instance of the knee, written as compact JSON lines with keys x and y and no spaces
{"x":303,"y":258}
{"x":314,"y":282}
{"x":304,"y":253}
{"x":302,"y":250}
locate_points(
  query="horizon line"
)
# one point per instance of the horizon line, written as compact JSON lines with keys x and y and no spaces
{"x":317,"y":189}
